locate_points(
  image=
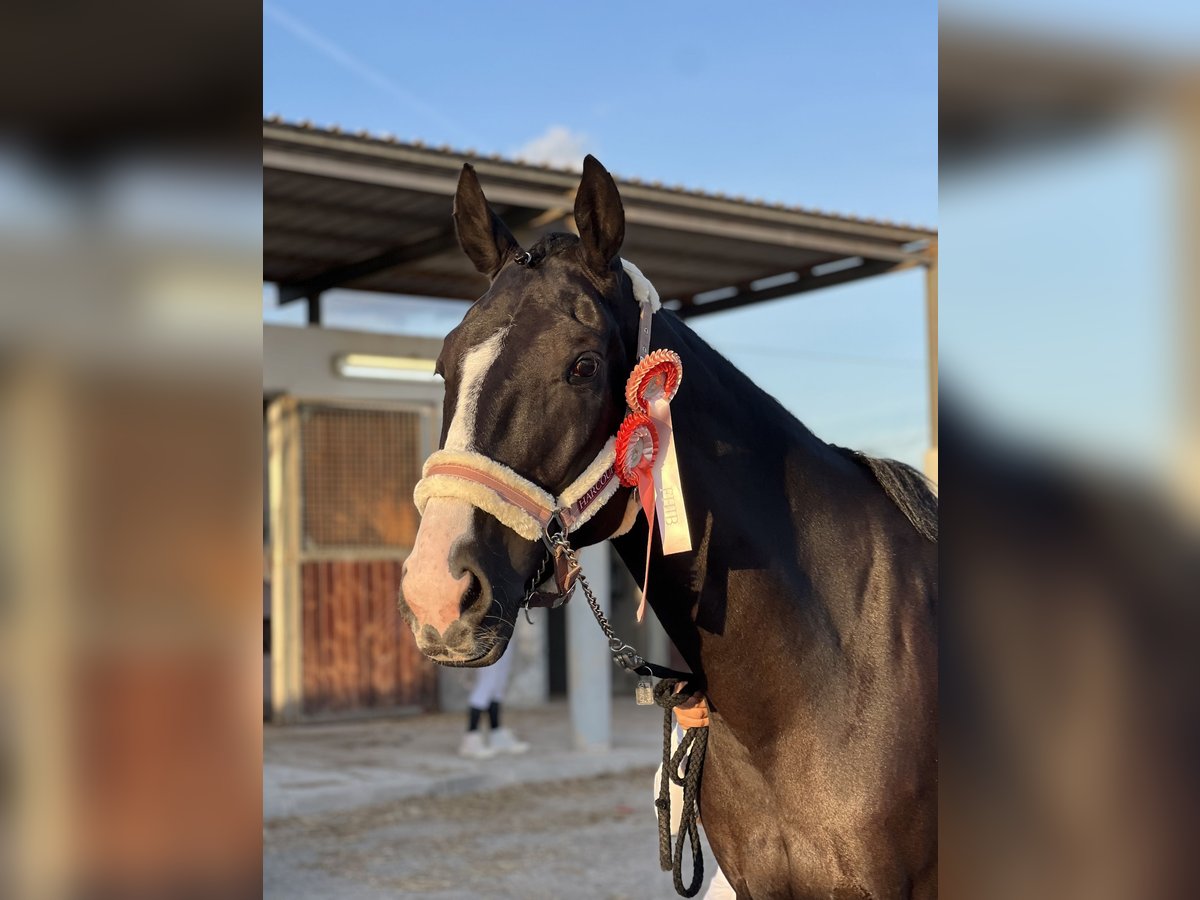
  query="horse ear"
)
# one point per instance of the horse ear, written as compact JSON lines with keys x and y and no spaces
{"x":599,"y":216}
{"x":481,"y":234}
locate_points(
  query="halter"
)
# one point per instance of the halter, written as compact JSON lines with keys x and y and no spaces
{"x":523,"y":506}
{"x":513,"y":499}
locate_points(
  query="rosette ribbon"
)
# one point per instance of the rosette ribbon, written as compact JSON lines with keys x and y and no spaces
{"x":646,"y":454}
{"x":637,"y":448}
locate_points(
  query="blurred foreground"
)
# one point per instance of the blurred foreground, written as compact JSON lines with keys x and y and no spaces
{"x":130,"y":421}
{"x":1070,"y":702}
{"x":1070,"y":710}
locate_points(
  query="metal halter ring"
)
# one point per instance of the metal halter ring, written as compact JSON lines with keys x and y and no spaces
{"x":523,"y":259}
{"x":552,"y":539}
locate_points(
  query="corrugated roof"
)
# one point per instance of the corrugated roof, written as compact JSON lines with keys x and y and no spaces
{"x":373,"y":212}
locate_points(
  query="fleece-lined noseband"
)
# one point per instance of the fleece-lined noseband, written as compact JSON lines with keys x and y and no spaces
{"x":516,"y":501}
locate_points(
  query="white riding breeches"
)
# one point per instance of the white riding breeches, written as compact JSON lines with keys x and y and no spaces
{"x":492,"y":681}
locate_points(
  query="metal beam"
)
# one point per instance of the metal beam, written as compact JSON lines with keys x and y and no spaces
{"x":806,"y":282}
{"x":285,"y":140}
{"x":543,"y":199}
{"x":438,"y":242}
{"x":793,"y":238}
{"x":313,"y":217}
{"x":339,"y":275}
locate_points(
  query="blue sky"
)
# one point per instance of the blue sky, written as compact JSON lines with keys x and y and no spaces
{"x":832,"y":106}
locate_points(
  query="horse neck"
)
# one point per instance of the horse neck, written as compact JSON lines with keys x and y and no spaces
{"x":751,"y":474}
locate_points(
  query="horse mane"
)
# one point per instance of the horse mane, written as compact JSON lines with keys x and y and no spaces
{"x":905,"y":487}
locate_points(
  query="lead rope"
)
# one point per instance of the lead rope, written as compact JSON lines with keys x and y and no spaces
{"x":690,"y":755}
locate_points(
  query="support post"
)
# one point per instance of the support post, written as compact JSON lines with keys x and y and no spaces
{"x":589,"y":664}
{"x":313,"y":301}
{"x":931,"y":331}
{"x":287,"y":638}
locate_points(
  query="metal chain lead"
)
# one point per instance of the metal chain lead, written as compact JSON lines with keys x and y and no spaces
{"x":537,"y":579}
{"x":624,"y":654}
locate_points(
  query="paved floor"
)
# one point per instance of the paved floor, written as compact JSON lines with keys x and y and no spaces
{"x":387,"y":809}
{"x":330,"y":767}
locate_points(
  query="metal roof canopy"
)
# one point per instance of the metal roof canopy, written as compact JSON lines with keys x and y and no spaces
{"x":367,"y":213}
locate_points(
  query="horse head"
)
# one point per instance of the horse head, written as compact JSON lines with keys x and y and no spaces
{"x":535,"y":375}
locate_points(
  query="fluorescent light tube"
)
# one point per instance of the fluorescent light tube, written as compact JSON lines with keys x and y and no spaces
{"x":385,"y":368}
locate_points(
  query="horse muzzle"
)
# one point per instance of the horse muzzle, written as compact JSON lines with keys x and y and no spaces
{"x":463,"y":641}
{"x":445,"y":594}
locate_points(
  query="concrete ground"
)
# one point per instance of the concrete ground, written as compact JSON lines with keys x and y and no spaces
{"x":386,"y":808}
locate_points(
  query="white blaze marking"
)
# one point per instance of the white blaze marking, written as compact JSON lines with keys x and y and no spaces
{"x":475,"y":365}
{"x":430,"y":589}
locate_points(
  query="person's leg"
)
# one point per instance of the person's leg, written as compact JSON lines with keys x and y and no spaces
{"x":473,"y":743}
{"x":485,"y":687}
{"x":497,"y":681}
{"x":675,"y":796}
{"x":494,"y":715}
{"x":502,"y":739}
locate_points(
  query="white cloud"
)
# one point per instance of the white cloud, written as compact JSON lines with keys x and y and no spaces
{"x":558,"y":145}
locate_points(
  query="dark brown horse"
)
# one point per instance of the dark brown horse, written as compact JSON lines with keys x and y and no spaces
{"x":809,"y":602}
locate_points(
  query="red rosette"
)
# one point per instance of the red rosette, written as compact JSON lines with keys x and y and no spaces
{"x":637,"y":443}
{"x":662,"y":370}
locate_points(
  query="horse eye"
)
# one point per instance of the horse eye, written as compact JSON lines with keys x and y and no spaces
{"x":585,"y":366}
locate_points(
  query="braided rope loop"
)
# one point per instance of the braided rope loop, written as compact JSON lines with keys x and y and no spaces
{"x":688,"y":756}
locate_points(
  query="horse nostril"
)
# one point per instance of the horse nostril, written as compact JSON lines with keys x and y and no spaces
{"x":471,"y":594}
{"x":459,"y":637}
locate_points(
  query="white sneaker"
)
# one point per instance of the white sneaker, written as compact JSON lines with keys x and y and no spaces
{"x":473,"y":746}
{"x":504,"y":741}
